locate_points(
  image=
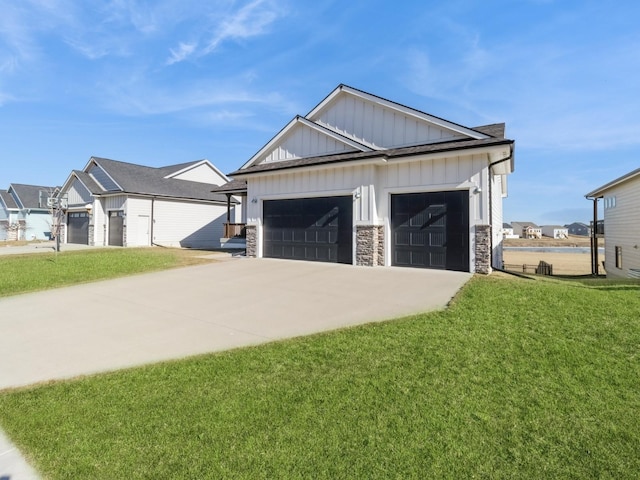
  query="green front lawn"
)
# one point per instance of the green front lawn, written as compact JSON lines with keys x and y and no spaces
{"x":27,"y":273}
{"x":517,"y":379}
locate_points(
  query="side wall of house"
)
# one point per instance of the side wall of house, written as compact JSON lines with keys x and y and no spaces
{"x":38,"y":225}
{"x":622,"y":229}
{"x":186,"y":224}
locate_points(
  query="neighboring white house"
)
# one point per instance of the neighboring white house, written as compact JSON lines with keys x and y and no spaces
{"x":621,"y":199}
{"x":526,"y":229}
{"x":555,"y":231}
{"x":365,"y":181}
{"x":24,"y":214}
{"x":507,"y":231}
{"x":118,"y":203}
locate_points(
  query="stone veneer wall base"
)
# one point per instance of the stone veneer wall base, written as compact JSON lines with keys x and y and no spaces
{"x":369,"y":245}
{"x":252,"y":241}
{"x":483,"y":249}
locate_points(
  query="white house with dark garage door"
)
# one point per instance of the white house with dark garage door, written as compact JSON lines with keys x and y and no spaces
{"x":123,"y":204}
{"x":365,"y":181}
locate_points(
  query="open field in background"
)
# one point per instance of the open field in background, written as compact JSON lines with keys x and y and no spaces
{"x":517,"y":379}
{"x":563,"y":263}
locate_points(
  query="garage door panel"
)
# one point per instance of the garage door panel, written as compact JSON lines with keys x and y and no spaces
{"x":78,"y":228}
{"x":431,"y":230}
{"x":316,"y":229}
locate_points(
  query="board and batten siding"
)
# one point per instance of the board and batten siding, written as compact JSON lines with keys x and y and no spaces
{"x":369,"y":123}
{"x":303,"y":141}
{"x":78,"y":194}
{"x":496,"y":221}
{"x":192,"y":225}
{"x":370,"y":182}
{"x":622,"y":228}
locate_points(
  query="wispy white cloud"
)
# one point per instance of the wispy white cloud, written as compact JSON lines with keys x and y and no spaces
{"x":251,"y":20}
{"x":182,"y":52}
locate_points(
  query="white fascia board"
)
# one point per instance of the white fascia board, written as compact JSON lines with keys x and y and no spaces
{"x":335,"y":135}
{"x":67,"y":184}
{"x":105,"y":171}
{"x":301,"y":120}
{"x":15,"y":196}
{"x":599,"y":192}
{"x":400,"y":108}
{"x":381,"y":160}
{"x":270,"y":143}
{"x":204,"y":161}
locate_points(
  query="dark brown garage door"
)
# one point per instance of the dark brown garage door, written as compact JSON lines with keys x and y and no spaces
{"x":431,"y":230}
{"x":78,"y":228}
{"x":116,"y":228}
{"x":317,"y":229}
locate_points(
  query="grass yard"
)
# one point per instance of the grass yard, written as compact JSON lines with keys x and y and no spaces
{"x":27,"y":273}
{"x":517,"y":379}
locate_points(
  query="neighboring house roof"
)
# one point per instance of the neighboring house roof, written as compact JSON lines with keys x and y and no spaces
{"x":337,"y":141}
{"x":506,"y":225}
{"x":555,"y":227}
{"x":32,"y":196}
{"x":577,"y":224}
{"x":139,"y":179}
{"x":599,"y":192}
{"x":524,"y":225}
{"x":8,"y":200}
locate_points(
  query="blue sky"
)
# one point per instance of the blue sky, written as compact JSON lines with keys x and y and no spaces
{"x":169,"y":81}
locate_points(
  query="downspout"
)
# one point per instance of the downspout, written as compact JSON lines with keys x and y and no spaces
{"x":491,"y":165}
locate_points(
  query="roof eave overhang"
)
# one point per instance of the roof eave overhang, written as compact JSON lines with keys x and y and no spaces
{"x":380,"y":160}
{"x":599,"y":192}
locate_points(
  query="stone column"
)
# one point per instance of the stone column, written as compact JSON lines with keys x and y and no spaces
{"x":483,"y":249}
{"x":369,"y":245}
{"x":252,"y":241}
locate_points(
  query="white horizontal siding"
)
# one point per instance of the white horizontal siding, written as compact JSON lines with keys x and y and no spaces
{"x":184,"y":224}
{"x":622,"y":228}
{"x":137,"y":221}
{"x":382,"y":127}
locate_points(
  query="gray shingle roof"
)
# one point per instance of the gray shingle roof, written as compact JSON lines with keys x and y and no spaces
{"x":150,"y":181}
{"x":88,"y":182}
{"x":388,"y":154}
{"x":234,"y":186}
{"x":8,"y":199}
{"x":30,"y":195}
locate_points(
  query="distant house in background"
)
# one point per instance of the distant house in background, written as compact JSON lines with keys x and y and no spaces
{"x":123,"y":204}
{"x":526,"y":229}
{"x":507,"y":231}
{"x":555,"y":231}
{"x":578,"y":228}
{"x":24,"y":214}
{"x":621,"y":198}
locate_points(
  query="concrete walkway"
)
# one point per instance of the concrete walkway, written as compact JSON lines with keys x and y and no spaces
{"x":108,"y":325}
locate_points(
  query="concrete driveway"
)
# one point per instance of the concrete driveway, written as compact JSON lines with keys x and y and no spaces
{"x":146,"y":318}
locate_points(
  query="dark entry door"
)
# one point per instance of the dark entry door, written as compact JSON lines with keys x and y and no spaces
{"x":78,"y":228}
{"x":116,"y":228}
{"x":431,"y":230}
{"x":317,"y":229}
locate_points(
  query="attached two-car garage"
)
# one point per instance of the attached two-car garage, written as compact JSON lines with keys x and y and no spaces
{"x":428,"y":229}
{"x":316,"y":229}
